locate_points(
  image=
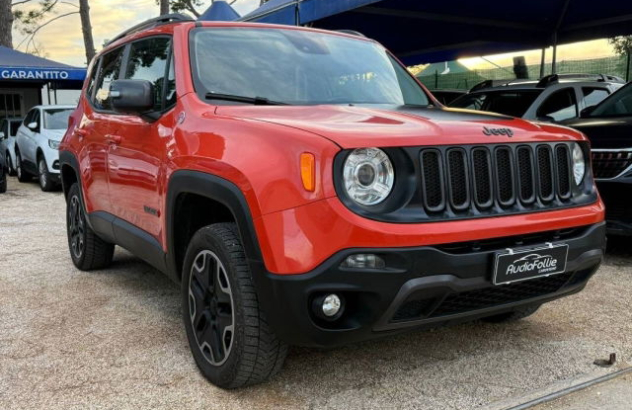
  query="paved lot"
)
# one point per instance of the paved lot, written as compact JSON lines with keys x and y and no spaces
{"x":113,"y":339}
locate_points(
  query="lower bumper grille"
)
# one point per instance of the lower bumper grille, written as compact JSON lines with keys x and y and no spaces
{"x":419,"y":308}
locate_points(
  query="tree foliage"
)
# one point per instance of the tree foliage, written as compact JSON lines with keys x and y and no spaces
{"x":622,"y":45}
{"x":193,"y":6}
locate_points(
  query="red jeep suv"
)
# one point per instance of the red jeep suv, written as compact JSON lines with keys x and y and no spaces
{"x":305,"y":189}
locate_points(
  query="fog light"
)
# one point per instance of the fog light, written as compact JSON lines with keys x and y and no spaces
{"x":364,"y":261}
{"x":331,"y":305}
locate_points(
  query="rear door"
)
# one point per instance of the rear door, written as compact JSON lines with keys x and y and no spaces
{"x":136,"y":159}
{"x":558,"y":106}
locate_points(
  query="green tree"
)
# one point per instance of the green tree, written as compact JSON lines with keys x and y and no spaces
{"x":15,"y":13}
{"x":623,"y":46}
{"x":192,"y":6}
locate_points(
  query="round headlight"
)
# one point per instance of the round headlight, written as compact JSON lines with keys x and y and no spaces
{"x":579,"y":164}
{"x":368,"y":176}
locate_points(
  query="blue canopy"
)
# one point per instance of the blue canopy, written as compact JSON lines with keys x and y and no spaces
{"x":420,"y":31}
{"x":22,"y":67}
{"x":219,"y":11}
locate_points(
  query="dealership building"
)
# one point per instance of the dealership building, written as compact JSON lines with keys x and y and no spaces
{"x":27,"y":80}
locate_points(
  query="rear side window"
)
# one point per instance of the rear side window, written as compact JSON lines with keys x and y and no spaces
{"x":593,"y":96}
{"x":108,"y":71}
{"x":148,"y":61}
{"x":561,"y":105}
{"x":513,"y":103}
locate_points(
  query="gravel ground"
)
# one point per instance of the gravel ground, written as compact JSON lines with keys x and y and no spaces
{"x":114,"y":339}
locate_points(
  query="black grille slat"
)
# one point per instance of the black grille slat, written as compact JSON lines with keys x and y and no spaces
{"x":526,"y":175}
{"x":563,"y":171}
{"x":482,"y":171}
{"x":545,"y":173}
{"x":610,"y":164}
{"x":458,"y":179}
{"x":505,"y":176}
{"x":432,"y":180}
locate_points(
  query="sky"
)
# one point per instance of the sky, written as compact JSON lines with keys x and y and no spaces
{"x":62,"y":40}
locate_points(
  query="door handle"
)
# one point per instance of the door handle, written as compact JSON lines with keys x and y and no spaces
{"x":113,"y":139}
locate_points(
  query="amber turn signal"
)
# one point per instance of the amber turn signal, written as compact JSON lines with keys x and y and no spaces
{"x":308,"y":171}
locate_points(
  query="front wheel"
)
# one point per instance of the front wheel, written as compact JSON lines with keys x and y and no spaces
{"x":23,"y":176}
{"x":45,"y":180}
{"x":10,"y":165}
{"x":87,"y":250}
{"x":230,"y":340}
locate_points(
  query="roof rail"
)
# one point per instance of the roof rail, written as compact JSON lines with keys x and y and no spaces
{"x":496,"y":83}
{"x":151,"y":23}
{"x":555,"y":78}
{"x":352,"y":32}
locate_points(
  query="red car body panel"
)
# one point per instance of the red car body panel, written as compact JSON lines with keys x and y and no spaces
{"x":257,"y":148}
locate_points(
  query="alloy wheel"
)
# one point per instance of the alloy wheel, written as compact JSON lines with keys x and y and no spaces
{"x":211,"y":308}
{"x":43,"y":173}
{"x":76,"y":227}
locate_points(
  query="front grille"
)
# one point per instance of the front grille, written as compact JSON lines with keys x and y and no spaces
{"x":473,"y":179}
{"x":611,"y":163}
{"x":417,"y":307}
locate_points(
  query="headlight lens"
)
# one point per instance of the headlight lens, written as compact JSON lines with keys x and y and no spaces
{"x":368,"y":176}
{"x":53,"y":144}
{"x":579,"y":164}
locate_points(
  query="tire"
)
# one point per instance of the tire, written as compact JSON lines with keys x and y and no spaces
{"x":10,"y":165}
{"x":87,"y":250}
{"x":22,"y":175}
{"x":230,"y":339}
{"x":513,"y":315}
{"x":44,"y":177}
{"x":3,"y":181}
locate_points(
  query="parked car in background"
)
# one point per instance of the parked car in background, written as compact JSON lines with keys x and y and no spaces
{"x":8,"y":132}
{"x":37,"y":144}
{"x":4,"y":172}
{"x":609,"y":128}
{"x":554,"y":98}
{"x":445,"y":97}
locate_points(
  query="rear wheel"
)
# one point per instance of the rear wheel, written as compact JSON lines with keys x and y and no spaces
{"x":513,"y":315}
{"x":10,"y":165}
{"x":87,"y":250}
{"x":230,"y":339}
{"x":45,"y":181}
{"x":23,"y":176}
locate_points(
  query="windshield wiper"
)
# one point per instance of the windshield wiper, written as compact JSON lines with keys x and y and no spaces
{"x":238,"y":98}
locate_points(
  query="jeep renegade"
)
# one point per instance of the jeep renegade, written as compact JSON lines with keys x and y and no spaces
{"x":305,"y":189}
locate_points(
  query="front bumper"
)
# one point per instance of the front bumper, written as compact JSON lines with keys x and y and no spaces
{"x":615,"y":195}
{"x":420,"y":287}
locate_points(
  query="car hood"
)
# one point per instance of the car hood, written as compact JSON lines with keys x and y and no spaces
{"x":358,"y":126}
{"x":605,"y":132}
{"x":55,"y":135}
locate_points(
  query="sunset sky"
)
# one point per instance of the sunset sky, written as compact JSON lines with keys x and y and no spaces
{"x":62,"y":41}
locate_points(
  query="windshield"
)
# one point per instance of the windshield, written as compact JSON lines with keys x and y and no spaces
{"x":513,"y":103}
{"x":299,"y":67}
{"x":56,"y":119}
{"x":618,"y":105}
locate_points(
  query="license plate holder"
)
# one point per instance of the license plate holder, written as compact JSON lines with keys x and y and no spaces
{"x":515,"y":265}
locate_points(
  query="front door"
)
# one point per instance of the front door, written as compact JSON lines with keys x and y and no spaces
{"x":137,"y":152}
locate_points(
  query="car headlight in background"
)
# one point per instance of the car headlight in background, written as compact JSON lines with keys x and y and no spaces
{"x":368,"y":176}
{"x":579,"y":163}
{"x":53,"y":144}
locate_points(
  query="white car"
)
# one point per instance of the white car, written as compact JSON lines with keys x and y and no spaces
{"x":8,"y":132}
{"x":37,"y":144}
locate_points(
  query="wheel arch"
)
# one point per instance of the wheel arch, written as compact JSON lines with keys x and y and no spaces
{"x":223,"y":195}
{"x":69,"y":169}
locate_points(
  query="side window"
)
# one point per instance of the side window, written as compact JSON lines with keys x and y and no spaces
{"x":561,"y":105}
{"x":170,"y":95}
{"x":593,"y":96}
{"x":148,"y":61}
{"x":38,"y":120}
{"x":108,"y":72}
{"x":92,"y":79}
{"x":29,"y":117}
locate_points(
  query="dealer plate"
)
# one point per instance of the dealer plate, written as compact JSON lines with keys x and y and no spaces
{"x":519,"y":265}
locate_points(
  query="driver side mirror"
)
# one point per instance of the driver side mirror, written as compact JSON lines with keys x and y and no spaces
{"x":587,"y":111}
{"x":32,"y":126}
{"x":132,"y":97}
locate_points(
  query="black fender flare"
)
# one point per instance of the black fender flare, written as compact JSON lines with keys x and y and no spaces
{"x":217,"y":189}
{"x":69,"y":159}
